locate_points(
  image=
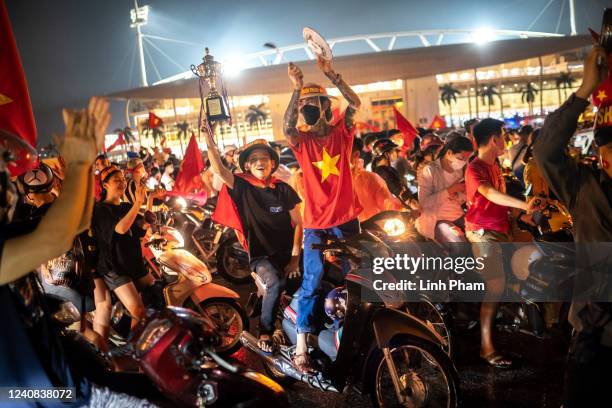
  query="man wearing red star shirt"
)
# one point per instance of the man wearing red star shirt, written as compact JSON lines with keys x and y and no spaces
{"x":487,"y":225}
{"x":323,"y":151}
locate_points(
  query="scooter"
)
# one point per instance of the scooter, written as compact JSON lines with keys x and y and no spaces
{"x":375,"y":346}
{"x":185,"y":281}
{"x":173,"y":363}
{"x":215,"y":244}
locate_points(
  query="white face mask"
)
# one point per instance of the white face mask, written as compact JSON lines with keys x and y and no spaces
{"x":457,"y":164}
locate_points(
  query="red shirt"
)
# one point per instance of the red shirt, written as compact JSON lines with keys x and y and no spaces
{"x":329,"y":197}
{"x":482,"y":213}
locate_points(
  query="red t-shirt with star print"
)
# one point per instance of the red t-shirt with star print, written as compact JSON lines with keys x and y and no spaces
{"x":329,"y":197}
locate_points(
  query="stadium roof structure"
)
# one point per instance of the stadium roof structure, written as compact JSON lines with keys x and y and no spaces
{"x":380,"y":65}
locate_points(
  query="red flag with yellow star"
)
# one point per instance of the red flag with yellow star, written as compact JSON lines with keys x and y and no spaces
{"x":329,"y":198}
{"x":15,"y":108}
{"x":155,"y":121}
{"x":437,"y":123}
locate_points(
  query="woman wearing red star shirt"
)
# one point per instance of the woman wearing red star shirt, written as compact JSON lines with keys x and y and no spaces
{"x":330,"y":203}
{"x":487,"y":225}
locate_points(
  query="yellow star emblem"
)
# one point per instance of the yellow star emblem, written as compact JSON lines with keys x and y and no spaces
{"x":601,"y":95}
{"x":4,"y":99}
{"x":327,"y":165}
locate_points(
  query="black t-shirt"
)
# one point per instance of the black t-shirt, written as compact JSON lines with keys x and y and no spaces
{"x":119,"y":254}
{"x":264,"y":213}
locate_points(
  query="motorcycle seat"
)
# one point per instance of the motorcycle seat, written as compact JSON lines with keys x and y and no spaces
{"x":329,"y":342}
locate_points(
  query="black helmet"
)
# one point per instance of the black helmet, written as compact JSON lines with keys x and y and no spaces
{"x":383,"y":146}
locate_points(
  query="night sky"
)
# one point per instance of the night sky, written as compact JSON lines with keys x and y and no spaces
{"x":72,"y":49}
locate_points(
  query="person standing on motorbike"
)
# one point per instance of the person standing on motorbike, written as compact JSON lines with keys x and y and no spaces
{"x":370,"y":188}
{"x":117,"y":228}
{"x":587,"y":193}
{"x":487,"y":225}
{"x":270,"y":221}
{"x":442,"y":193}
{"x":323,"y":151}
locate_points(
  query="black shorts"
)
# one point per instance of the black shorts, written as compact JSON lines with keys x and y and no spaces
{"x":113,"y":280}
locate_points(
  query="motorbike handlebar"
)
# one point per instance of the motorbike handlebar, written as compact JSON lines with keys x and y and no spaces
{"x":154,"y":242}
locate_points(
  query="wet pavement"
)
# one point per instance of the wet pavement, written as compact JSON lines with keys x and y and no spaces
{"x":536,"y":379}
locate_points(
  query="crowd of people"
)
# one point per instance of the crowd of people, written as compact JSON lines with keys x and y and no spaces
{"x":81,"y":230}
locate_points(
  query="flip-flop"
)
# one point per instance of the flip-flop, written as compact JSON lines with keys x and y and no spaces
{"x":269,"y":345}
{"x":497,"y":360}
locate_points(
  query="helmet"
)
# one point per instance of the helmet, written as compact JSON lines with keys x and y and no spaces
{"x":335,"y":303}
{"x":254,"y":145}
{"x":383,"y":146}
{"x":38,"y":180}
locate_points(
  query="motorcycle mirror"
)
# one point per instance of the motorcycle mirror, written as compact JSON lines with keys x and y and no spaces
{"x":150,"y":217}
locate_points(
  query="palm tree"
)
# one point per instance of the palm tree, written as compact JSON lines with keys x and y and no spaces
{"x":155,"y":132}
{"x":448,"y":96}
{"x":488,"y":94}
{"x":182,"y":132}
{"x":127,"y":134}
{"x":256,"y":115}
{"x":528,"y":94}
{"x":564,"y":81}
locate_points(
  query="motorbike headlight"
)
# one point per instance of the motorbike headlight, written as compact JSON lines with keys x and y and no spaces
{"x":152,"y":334}
{"x":394,"y":227}
{"x":181,"y":203}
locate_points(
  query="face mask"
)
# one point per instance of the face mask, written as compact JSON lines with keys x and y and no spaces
{"x":311,"y":114}
{"x":457,"y":164}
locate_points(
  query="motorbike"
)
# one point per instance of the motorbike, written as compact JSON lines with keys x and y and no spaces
{"x":185,"y":281}
{"x":175,"y":363}
{"x":375,"y":345}
{"x":215,"y":244}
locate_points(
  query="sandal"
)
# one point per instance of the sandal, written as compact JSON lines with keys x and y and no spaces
{"x":265,"y":343}
{"x":497,"y":360}
{"x":302,"y":363}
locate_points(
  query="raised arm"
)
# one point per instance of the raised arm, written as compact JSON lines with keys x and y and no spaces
{"x":351,"y":97}
{"x":216,"y":165}
{"x":291,"y":114}
{"x":557,"y":168}
{"x":59,"y":226}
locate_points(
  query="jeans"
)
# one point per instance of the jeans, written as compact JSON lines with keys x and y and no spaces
{"x":275,"y":282}
{"x":313,"y":270}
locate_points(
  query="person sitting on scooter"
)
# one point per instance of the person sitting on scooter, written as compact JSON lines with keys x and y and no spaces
{"x":269,"y":219}
{"x":442,"y":193}
{"x":140,"y":176}
{"x":118,"y":228}
{"x":386,"y":153}
{"x":370,"y":188}
{"x":487,"y":225}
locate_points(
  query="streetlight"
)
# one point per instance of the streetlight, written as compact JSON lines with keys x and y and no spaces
{"x":139,"y":17}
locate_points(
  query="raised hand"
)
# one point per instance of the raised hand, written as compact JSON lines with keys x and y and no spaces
{"x":324,"y":65}
{"x":98,"y":110}
{"x":296,"y":76}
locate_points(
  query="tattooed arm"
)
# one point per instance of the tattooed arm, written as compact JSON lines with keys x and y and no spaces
{"x":291,"y":114}
{"x":344,"y":88}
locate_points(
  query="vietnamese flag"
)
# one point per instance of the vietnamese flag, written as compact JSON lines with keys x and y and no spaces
{"x":15,"y":108}
{"x":120,"y":141}
{"x":329,"y":197}
{"x":408,"y":131}
{"x":437,"y":123}
{"x":188,"y":178}
{"x":155,"y":121}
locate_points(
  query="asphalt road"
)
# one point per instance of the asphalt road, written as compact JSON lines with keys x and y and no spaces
{"x":536,"y":379}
